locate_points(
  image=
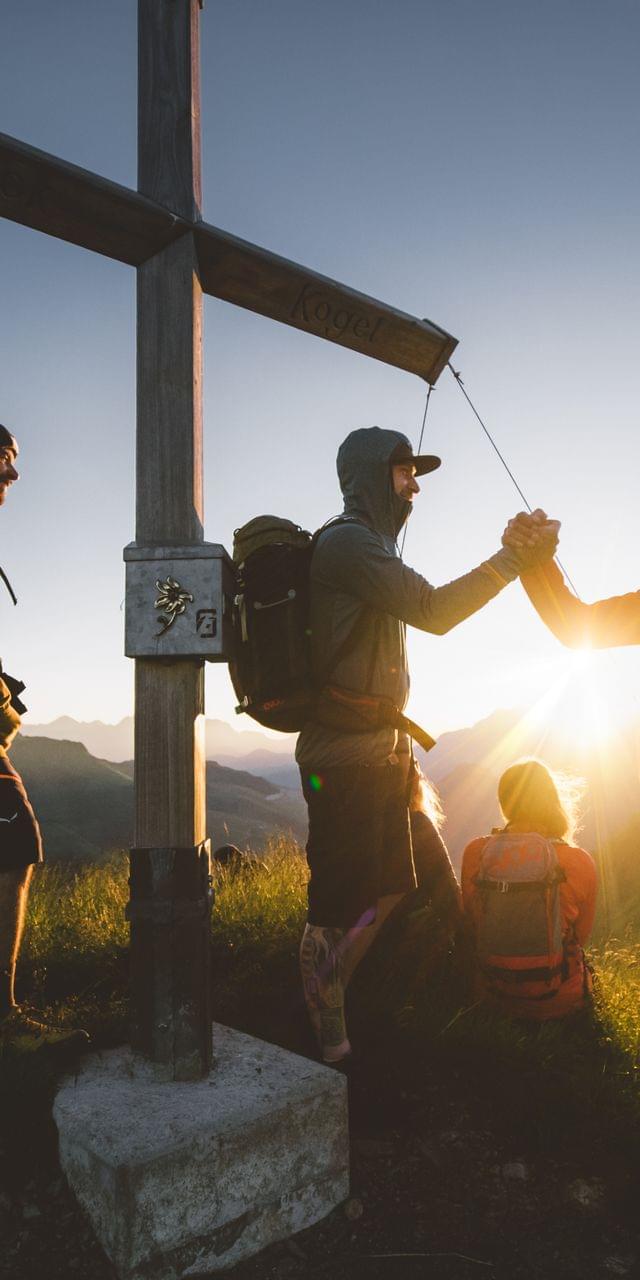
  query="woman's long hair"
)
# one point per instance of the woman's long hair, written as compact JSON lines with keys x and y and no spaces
{"x":424,"y":798}
{"x":533,"y":797}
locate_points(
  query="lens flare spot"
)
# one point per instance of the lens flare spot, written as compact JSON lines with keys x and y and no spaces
{"x":315,"y":782}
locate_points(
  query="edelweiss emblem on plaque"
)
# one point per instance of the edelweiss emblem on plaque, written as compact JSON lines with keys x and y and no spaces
{"x":173,"y":600}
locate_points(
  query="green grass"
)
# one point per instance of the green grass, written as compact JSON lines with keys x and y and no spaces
{"x":617,"y":995}
{"x":73,"y":962}
{"x":77,"y":915}
{"x":562,"y":1079}
{"x":76,"y":920}
{"x":264,"y":903}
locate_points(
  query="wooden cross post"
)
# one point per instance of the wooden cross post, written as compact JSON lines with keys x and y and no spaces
{"x":159,"y":230}
{"x":170,"y":872}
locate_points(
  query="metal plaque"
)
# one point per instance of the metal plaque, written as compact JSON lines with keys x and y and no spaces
{"x":178,"y":602}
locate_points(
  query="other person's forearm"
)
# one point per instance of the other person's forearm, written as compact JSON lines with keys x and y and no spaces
{"x":605,"y":623}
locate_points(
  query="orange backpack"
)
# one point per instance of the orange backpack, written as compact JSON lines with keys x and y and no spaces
{"x":519,"y":932}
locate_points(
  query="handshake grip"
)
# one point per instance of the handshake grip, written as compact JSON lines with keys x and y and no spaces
{"x":543,"y":551}
{"x":15,"y":687}
{"x":532,"y":538}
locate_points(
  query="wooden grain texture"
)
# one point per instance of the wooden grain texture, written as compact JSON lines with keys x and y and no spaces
{"x":170,"y":809}
{"x":260,"y":281}
{"x":47,"y":194}
{"x":169,"y":104}
{"x":73,"y":204}
{"x":170,"y":960}
{"x":169,"y":498}
{"x":169,"y":753}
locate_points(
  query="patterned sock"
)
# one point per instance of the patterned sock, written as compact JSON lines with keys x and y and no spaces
{"x":321,"y":969}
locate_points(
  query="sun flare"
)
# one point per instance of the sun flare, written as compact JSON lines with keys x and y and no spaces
{"x":586,"y":700}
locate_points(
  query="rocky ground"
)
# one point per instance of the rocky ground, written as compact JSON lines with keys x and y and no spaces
{"x":493,"y":1153}
{"x":440,"y":1188}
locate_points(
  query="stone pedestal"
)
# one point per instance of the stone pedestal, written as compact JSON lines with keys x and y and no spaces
{"x":183,"y":1179}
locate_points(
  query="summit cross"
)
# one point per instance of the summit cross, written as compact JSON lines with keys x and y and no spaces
{"x":159,"y":230}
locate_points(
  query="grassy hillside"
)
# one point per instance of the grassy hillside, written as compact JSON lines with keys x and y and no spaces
{"x":475,"y":1141}
{"x":85,"y":805}
{"x":77,"y":936}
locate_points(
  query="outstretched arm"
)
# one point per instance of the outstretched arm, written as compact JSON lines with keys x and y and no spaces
{"x":603,"y":624}
{"x":355,"y":559}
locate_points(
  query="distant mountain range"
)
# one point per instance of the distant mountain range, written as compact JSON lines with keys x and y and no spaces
{"x":115,"y":741}
{"x":466,"y":765}
{"x":85,"y":803}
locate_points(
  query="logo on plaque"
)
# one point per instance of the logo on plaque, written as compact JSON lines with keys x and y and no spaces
{"x":173,"y":599}
{"x":206,"y":623}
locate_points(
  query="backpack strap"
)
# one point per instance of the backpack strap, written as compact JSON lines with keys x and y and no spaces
{"x":352,"y":640}
{"x":8,"y":586}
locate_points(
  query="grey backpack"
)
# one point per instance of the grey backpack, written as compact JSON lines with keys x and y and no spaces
{"x":520,"y":932}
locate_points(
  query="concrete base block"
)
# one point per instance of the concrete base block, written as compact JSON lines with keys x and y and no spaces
{"x":186,"y":1179}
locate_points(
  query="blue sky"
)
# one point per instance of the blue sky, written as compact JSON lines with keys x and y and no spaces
{"x":472,"y":163}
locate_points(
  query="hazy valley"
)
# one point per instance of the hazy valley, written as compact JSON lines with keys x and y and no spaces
{"x":80,"y":778}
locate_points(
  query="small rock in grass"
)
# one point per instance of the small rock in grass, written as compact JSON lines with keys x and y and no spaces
{"x":589,"y":1194}
{"x":515,"y":1171}
{"x":619,"y":1266}
{"x":450,"y":1137}
{"x":353,"y":1209}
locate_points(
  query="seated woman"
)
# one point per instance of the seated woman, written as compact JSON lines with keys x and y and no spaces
{"x":530,"y":896}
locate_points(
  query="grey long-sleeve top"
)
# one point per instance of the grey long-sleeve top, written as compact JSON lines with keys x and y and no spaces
{"x":358,"y":580}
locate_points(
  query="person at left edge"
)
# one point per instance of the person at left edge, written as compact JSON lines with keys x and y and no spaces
{"x":20,"y":843}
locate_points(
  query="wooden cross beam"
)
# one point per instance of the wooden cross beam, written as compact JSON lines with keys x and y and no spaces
{"x":159,"y":230}
{"x":47,"y":194}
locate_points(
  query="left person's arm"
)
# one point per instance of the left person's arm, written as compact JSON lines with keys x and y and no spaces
{"x":9,"y":718}
{"x":582,"y":886}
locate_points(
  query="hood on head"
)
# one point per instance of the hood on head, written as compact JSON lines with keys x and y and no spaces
{"x":7,"y":440}
{"x":364,"y":473}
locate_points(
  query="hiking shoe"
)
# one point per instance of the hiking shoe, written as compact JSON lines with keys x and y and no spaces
{"x":20,"y":1028}
{"x":332,"y":1054}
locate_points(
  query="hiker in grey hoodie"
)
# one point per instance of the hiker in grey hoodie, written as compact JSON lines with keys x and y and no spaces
{"x":356,"y":782}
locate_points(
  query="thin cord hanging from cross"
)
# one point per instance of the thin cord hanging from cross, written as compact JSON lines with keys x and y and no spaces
{"x":458,"y":379}
{"x":424,"y":421}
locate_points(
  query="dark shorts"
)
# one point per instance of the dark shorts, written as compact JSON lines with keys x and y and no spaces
{"x":359,"y":846}
{"x":20,"y":841}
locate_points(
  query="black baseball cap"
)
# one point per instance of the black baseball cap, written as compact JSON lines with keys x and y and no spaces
{"x":423,"y":462}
